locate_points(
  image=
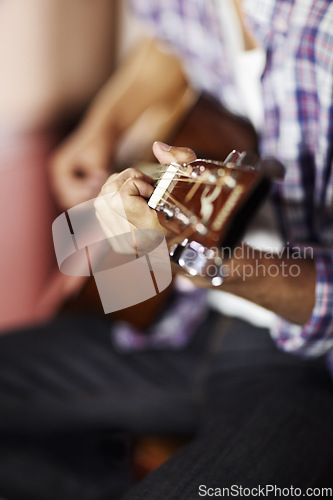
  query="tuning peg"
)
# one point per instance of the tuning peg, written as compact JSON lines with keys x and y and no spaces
{"x":168,"y":212}
{"x":232,"y":157}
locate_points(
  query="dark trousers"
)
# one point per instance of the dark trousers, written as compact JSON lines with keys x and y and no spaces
{"x":259,"y":416}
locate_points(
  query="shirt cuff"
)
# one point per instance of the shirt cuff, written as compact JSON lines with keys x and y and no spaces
{"x":316,"y":337}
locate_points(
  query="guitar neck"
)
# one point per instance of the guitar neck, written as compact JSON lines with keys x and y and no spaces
{"x":207,"y":205}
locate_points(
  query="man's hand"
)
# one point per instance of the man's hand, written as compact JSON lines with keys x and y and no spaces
{"x":124,"y":197}
{"x":82,"y":164}
{"x":127,"y":193}
{"x":80,"y":167}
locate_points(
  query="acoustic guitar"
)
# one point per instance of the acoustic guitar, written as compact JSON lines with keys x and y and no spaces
{"x":210,"y":130}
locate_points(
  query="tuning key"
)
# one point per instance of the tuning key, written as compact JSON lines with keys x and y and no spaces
{"x":230,"y":181}
{"x":169,"y":213}
{"x":212,"y":178}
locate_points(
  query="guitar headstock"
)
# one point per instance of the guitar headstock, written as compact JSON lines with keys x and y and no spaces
{"x":206,"y":205}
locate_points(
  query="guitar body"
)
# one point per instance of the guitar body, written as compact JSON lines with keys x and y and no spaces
{"x":212,"y":131}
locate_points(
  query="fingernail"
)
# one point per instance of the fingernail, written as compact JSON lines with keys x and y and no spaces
{"x":163,"y":146}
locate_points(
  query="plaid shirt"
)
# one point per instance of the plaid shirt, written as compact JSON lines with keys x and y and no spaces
{"x":298,"y":99}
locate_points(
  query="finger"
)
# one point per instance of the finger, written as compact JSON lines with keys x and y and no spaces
{"x":83,"y":179}
{"x":92,"y":158}
{"x":167,"y":154}
{"x":129,"y":173}
{"x":136,"y":187}
{"x":115,"y":181}
{"x":118,"y":195}
{"x":83,"y":171}
{"x":134,"y":193}
{"x":128,"y":203}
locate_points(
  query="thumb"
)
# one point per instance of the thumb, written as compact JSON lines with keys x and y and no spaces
{"x":167,"y":154}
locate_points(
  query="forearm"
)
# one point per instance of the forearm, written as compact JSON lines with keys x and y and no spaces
{"x":149,"y":75}
{"x":283,"y":285}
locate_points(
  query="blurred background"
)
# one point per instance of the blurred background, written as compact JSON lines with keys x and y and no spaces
{"x":54,"y":57}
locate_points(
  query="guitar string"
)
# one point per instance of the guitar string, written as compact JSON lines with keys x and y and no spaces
{"x":201,"y":180}
{"x":190,"y":179}
{"x":187,"y":179}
